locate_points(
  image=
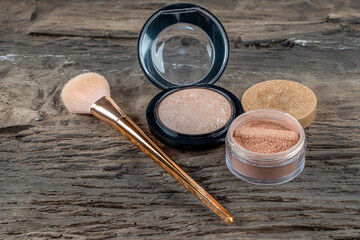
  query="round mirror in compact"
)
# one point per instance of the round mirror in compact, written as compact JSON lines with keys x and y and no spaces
{"x":174,"y":46}
{"x":183,"y":49}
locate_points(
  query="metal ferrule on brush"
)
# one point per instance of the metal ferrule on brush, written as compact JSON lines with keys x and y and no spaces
{"x":108,"y":111}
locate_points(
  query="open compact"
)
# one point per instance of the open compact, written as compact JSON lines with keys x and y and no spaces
{"x":183,"y":49}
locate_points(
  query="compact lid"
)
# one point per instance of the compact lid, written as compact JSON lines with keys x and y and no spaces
{"x":183,"y":44}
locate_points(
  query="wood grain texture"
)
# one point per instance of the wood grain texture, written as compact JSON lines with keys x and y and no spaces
{"x":66,"y":176}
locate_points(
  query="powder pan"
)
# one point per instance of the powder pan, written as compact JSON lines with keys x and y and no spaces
{"x":190,"y":141}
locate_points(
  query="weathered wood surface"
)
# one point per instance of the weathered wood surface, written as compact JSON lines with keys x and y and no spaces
{"x":70,"y":176}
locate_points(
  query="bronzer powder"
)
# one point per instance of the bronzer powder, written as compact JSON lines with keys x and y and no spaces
{"x":194,"y":111}
{"x":265,"y":136}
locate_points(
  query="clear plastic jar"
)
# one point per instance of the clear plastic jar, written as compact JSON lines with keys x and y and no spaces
{"x":260,"y":168}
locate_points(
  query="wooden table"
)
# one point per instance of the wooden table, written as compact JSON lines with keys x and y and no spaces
{"x":68,"y":176}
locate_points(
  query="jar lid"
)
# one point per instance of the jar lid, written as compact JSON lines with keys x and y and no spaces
{"x":285,"y":96}
{"x":181,"y":45}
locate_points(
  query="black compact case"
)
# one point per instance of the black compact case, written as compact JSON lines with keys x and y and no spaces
{"x":184,"y":46}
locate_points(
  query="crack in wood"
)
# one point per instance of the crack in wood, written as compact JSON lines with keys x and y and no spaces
{"x":15,"y":129}
{"x":265,"y":43}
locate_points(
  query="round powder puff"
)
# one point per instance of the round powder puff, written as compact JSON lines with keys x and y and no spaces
{"x":282,"y":95}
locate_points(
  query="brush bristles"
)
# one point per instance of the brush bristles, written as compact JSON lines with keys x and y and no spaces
{"x":83,"y":91}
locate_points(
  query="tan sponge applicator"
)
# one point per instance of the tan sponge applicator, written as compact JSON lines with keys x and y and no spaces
{"x":282,"y":95}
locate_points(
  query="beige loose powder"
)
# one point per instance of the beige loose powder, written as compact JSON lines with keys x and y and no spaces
{"x":194,"y":111}
{"x":265,"y":136}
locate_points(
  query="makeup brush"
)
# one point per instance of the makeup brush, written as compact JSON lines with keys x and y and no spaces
{"x":89,"y":93}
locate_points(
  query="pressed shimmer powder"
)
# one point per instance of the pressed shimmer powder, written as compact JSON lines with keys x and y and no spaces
{"x":265,"y":136}
{"x":265,"y":147}
{"x":194,"y":111}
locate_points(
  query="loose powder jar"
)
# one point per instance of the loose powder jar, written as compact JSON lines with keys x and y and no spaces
{"x":265,"y":147}
{"x":183,"y":49}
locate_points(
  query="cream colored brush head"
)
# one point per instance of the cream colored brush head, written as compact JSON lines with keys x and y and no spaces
{"x":83,"y":91}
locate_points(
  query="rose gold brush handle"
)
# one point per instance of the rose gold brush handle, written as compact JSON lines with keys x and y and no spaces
{"x":106,"y":110}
